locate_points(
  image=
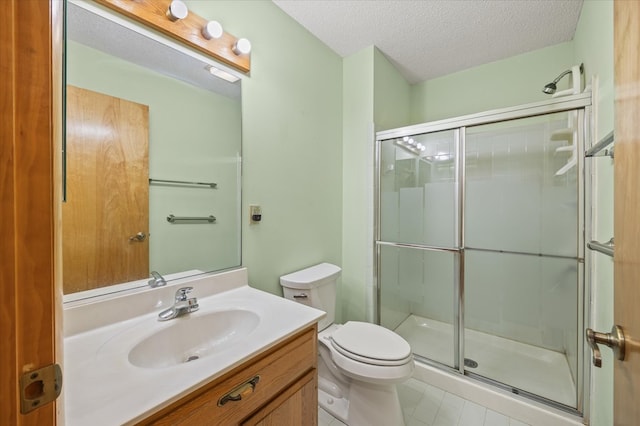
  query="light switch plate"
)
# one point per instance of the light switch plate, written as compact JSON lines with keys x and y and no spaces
{"x":255,"y":214}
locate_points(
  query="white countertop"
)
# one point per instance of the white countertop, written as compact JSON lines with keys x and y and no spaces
{"x":101,"y":386}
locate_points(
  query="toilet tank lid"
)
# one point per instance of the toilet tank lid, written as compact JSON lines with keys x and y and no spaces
{"x":313,"y":276}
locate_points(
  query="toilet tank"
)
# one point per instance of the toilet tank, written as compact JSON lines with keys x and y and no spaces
{"x":316,"y":287}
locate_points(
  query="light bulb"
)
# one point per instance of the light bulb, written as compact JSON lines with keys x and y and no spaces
{"x":177,"y":10}
{"x":212,"y":29}
{"x":222,"y":74}
{"x":242,"y":47}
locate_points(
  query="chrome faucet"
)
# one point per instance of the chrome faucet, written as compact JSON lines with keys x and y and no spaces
{"x":156,"y":280}
{"x":183,"y":305}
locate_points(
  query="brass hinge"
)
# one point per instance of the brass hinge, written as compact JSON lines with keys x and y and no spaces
{"x":39,"y":387}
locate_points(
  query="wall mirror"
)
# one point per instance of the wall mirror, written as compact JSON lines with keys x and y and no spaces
{"x":152,"y":157}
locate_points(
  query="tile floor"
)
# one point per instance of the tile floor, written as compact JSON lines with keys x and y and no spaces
{"x":426,"y":405}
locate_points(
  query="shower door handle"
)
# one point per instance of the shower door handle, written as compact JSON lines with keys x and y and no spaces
{"x":614,"y":340}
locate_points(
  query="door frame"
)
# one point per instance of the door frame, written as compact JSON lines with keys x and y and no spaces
{"x":626,"y":380}
{"x":30,"y":167}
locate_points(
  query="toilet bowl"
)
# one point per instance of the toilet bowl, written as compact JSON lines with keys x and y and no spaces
{"x":359,"y":363}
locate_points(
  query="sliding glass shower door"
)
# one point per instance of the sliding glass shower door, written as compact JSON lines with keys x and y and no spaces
{"x":521,"y":235}
{"x":419,"y":206}
{"x":478,"y":248}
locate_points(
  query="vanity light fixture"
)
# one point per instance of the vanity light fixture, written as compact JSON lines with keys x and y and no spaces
{"x":177,"y":10}
{"x":212,"y":29}
{"x":242,"y":47}
{"x":222,"y":74}
{"x":409,"y":144}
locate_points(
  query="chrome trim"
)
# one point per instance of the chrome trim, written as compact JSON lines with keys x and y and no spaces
{"x":524,"y":253}
{"x":584,"y":127}
{"x":458,"y":310}
{"x":564,"y":103}
{"x":417,"y":246}
{"x":436,"y":364}
{"x":212,"y":185}
{"x":607,"y":248}
{"x":586,"y":288}
{"x":594,"y":151}
{"x":191,"y":219}
{"x":376,"y":232}
{"x":458,"y":273}
{"x":521,"y":392}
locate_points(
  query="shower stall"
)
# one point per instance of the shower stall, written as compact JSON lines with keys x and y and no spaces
{"x":479,"y":245}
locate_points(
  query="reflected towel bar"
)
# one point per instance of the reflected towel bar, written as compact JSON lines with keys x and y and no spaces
{"x":182,"y":182}
{"x":606,"y":248}
{"x":181,"y":219}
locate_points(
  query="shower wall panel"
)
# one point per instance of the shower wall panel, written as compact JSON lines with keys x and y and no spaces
{"x":514,"y":199}
{"x":528,"y":299}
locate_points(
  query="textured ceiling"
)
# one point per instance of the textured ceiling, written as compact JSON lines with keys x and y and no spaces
{"x":430,"y":38}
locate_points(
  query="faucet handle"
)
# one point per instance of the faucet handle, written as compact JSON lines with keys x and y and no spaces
{"x":181,"y":293}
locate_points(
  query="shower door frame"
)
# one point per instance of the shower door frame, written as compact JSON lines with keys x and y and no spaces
{"x":582,"y":105}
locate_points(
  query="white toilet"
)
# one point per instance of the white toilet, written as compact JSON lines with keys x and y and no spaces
{"x":359,"y":363}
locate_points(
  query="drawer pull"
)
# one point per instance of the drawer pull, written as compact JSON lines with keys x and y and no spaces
{"x":237,"y":393}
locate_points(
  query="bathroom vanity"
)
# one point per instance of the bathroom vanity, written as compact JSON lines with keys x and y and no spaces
{"x":279,"y":385}
{"x":246,"y":357}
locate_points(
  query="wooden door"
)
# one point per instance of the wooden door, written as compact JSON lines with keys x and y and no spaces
{"x":627,"y":208}
{"x":30,"y":141}
{"x":107,"y":191}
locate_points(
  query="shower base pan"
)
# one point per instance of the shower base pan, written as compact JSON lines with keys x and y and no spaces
{"x":529,"y":368}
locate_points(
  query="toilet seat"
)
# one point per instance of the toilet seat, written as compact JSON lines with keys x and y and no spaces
{"x":371,"y":344}
{"x":366,"y":368}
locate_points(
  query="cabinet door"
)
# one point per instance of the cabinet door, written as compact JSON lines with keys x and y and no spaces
{"x":297,"y":405}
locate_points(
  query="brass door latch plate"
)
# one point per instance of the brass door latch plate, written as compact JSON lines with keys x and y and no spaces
{"x":39,"y":387}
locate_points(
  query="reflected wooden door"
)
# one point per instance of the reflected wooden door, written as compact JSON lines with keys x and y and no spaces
{"x":627,"y":209}
{"x":107,"y":191}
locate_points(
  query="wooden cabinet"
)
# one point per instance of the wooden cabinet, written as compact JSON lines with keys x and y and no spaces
{"x":276,"y":387}
{"x":296,"y":406}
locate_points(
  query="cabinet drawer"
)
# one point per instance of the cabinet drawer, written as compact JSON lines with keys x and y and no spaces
{"x":277,"y":369}
{"x":297,"y":405}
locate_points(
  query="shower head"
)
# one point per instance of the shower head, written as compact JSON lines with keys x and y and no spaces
{"x":551,"y":88}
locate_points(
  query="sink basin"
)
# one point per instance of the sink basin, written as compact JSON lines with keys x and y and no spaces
{"x":192,"y":337}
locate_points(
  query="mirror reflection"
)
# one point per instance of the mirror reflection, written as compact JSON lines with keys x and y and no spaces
{"x":152,"y":157}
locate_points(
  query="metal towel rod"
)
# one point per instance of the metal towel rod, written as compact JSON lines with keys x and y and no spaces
{"x":184,"y":182}
{"x":180,"y":219}
{"x":606,"y":248}
{"x":601,"y":148}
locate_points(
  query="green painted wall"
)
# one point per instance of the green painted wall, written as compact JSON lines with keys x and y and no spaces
{"x":375,"y":96}
{"x":593,"y":44}
{"x":512,"y":81}
{"x":357,"y":135}
{"x":392,"y":95}
{"x":292,"y":141}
